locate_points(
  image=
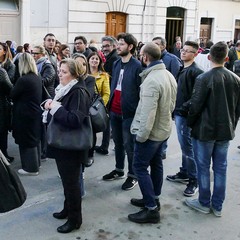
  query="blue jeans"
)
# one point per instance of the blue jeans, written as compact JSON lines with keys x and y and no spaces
{"x":204,"y":151}
{"x":149,"y":154}
{"x":188,"y":167}
{"x":124,"y":141}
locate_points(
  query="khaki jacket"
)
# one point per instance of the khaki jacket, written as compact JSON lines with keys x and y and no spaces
{"x":153,"y":117}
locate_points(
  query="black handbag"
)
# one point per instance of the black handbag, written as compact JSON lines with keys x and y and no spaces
{"x":12,"y":192}
{"x":61,"y":137}
{"x":99,"y":114}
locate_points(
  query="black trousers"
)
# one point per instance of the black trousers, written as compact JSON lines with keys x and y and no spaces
{"x":43,"y":140}
{"x":69,"y":171}
{"x":4,"y":141}
{"x":30,"y":158}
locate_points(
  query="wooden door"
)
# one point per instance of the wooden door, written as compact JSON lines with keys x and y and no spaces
{"x":205,"y":29}
{"x":174,"y":27}
{"x":115,"y":23}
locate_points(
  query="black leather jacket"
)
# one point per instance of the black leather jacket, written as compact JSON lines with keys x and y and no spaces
{"x":186,"y":80}
{"x":215,"y":105}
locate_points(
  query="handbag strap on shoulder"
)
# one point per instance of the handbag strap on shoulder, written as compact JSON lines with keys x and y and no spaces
{"x":97,"y":89}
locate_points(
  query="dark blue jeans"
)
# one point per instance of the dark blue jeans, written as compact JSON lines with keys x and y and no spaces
{"x":217,"y":151}
{"x":184,"y":137}
{"x":148,"y":154}
{"x":124,"y":141}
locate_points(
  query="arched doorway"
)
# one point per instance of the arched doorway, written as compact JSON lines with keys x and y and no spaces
{"x":115,"y":23}
{"x":174,"y":25}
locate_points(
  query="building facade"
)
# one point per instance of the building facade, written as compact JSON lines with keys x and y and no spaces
{"x":29,"y":20}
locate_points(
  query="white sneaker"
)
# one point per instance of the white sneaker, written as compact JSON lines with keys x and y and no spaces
{"x":23,"y":172}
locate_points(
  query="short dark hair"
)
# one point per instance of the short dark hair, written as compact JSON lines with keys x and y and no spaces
{"x":129,"y":39}
{"x":152,"y":51}
{"x":193,"y":44}
{"x":218,"y":52}
{"x":162,"y":40}
{"x":81,"y":38}
{"x":48,"y":35}
{"x":209,"y":44}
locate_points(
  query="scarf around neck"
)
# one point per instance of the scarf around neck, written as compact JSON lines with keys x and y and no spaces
{"x":61,"y":90}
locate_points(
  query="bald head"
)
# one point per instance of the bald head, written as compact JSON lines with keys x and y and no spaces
{"x":152,"y":51}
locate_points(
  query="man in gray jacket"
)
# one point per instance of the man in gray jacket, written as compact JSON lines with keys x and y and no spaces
{"x":152,"y":126}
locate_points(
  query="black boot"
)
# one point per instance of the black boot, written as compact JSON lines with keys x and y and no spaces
{"x":139,"y":202}
{"x":68,"y":227}
{"x":145,"y":216}
{"x":89,"y":162}
{"x":60,"y":215}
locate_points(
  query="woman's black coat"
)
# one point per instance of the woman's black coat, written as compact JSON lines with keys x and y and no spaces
{"x":5,"y":88}
{"x":27,"y":96}
{"x":70,"y":116}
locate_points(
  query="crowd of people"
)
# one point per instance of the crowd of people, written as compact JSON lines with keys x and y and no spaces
{"x":144,"y":87}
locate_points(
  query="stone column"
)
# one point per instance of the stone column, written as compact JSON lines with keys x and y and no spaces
{"x":25,"y":21}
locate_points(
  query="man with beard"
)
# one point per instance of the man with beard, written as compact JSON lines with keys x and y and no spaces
{"x":110,"y":52}
{"x":123,"y":102}
{"x":152,"y":126}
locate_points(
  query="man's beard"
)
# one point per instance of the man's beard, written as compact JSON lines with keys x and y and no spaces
{"x":144,"y":65}
{"x":123,"y":53}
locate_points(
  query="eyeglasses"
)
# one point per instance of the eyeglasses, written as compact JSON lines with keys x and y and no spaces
{"x":186,"y":51}
{"x":51,"y":40}
{"x":106,"y":46}
{"x":78,"y":43}
{"x":35,"y":53}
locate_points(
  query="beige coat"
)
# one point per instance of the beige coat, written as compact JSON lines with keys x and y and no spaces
{"x":153,"y":117}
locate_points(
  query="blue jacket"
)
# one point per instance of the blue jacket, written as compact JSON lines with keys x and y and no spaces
{"x":130,"y":86}
{"x":173,"y":63}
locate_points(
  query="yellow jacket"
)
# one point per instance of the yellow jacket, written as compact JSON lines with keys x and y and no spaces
{"x":102,"y":82}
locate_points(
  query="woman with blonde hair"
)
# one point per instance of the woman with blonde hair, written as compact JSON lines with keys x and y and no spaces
{"x":26,"y":96}
{"x":88,"y":79}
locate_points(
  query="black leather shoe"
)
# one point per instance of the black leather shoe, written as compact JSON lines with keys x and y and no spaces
{"x":140,"y":203}
{"x":101,"y":150}
{"x":68,"y":227}
{"x":60,"y":215}
{"x":145,"y":216}
{"x":89,"y":162}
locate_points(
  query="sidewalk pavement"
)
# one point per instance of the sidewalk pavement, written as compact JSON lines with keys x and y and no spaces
{"x":106,"y":206}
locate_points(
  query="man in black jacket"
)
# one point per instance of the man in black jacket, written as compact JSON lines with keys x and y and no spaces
{"x":213,"y":116}
{"x":186,"y":80}
{"x":109,"y":50}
